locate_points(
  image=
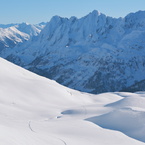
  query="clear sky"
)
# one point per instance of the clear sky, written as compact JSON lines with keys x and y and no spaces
{"x":35,"y":11}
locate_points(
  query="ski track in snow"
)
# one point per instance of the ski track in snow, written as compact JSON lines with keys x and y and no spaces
{"x":30,"y":127}
{"x":61,"y":140}
{"x":83,"y":106}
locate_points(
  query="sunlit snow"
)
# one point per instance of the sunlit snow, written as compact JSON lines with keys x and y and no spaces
{"x":38,"y":111}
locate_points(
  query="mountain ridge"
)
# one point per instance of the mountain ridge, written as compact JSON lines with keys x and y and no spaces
{"x":12,"y":35}
{"x":95,"y":53}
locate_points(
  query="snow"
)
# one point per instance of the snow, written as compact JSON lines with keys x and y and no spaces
{"x":12,"y":35}
{"x":128,"y":116}
{"x":38,"y":111}
{"x":29,"y":29}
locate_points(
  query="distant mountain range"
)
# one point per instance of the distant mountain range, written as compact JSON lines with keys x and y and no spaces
{"x":13,"y":34}
{"x":95,"y":53}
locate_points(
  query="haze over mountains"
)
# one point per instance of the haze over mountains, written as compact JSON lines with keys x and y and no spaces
{"x":93,"y":54}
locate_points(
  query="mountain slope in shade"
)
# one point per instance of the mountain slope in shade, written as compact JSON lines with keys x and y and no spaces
{"x":35,"y":110}
{"x":94,"y":54}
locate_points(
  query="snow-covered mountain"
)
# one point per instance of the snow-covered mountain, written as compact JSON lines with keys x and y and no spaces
{"x":10,"y":37}
{"x":14,"y":34}
{"x":94,"y":54}
{"x":29,"y":29}
{"x":38,"y":111}
{"x":41,"y":25}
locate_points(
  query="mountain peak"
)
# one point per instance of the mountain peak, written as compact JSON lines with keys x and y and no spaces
{"x":95,"y":12}
{"x":56,"y":18}
{"x":137,"y":15}
{"x":73,"y":18}
{"x":24,"y":24}
{"x":136,"y":19}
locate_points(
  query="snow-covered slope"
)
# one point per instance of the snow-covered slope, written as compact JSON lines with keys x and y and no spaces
{"x":38,"y":111}
{"x":11,"y":36}
{"x":94,"y":54}
{"x":14,"y":34}
{"x":29,"y":29}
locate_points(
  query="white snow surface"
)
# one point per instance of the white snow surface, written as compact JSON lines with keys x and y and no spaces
{"x":16,"y":34}
{"x":29,"y":29}
{"x":38,"y":111}
{"x":13,"y":34}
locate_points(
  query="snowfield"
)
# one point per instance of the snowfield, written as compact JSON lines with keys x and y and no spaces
{"x":38,"y":111}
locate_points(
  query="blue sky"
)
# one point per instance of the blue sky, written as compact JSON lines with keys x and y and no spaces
{"x":35,"y":11}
